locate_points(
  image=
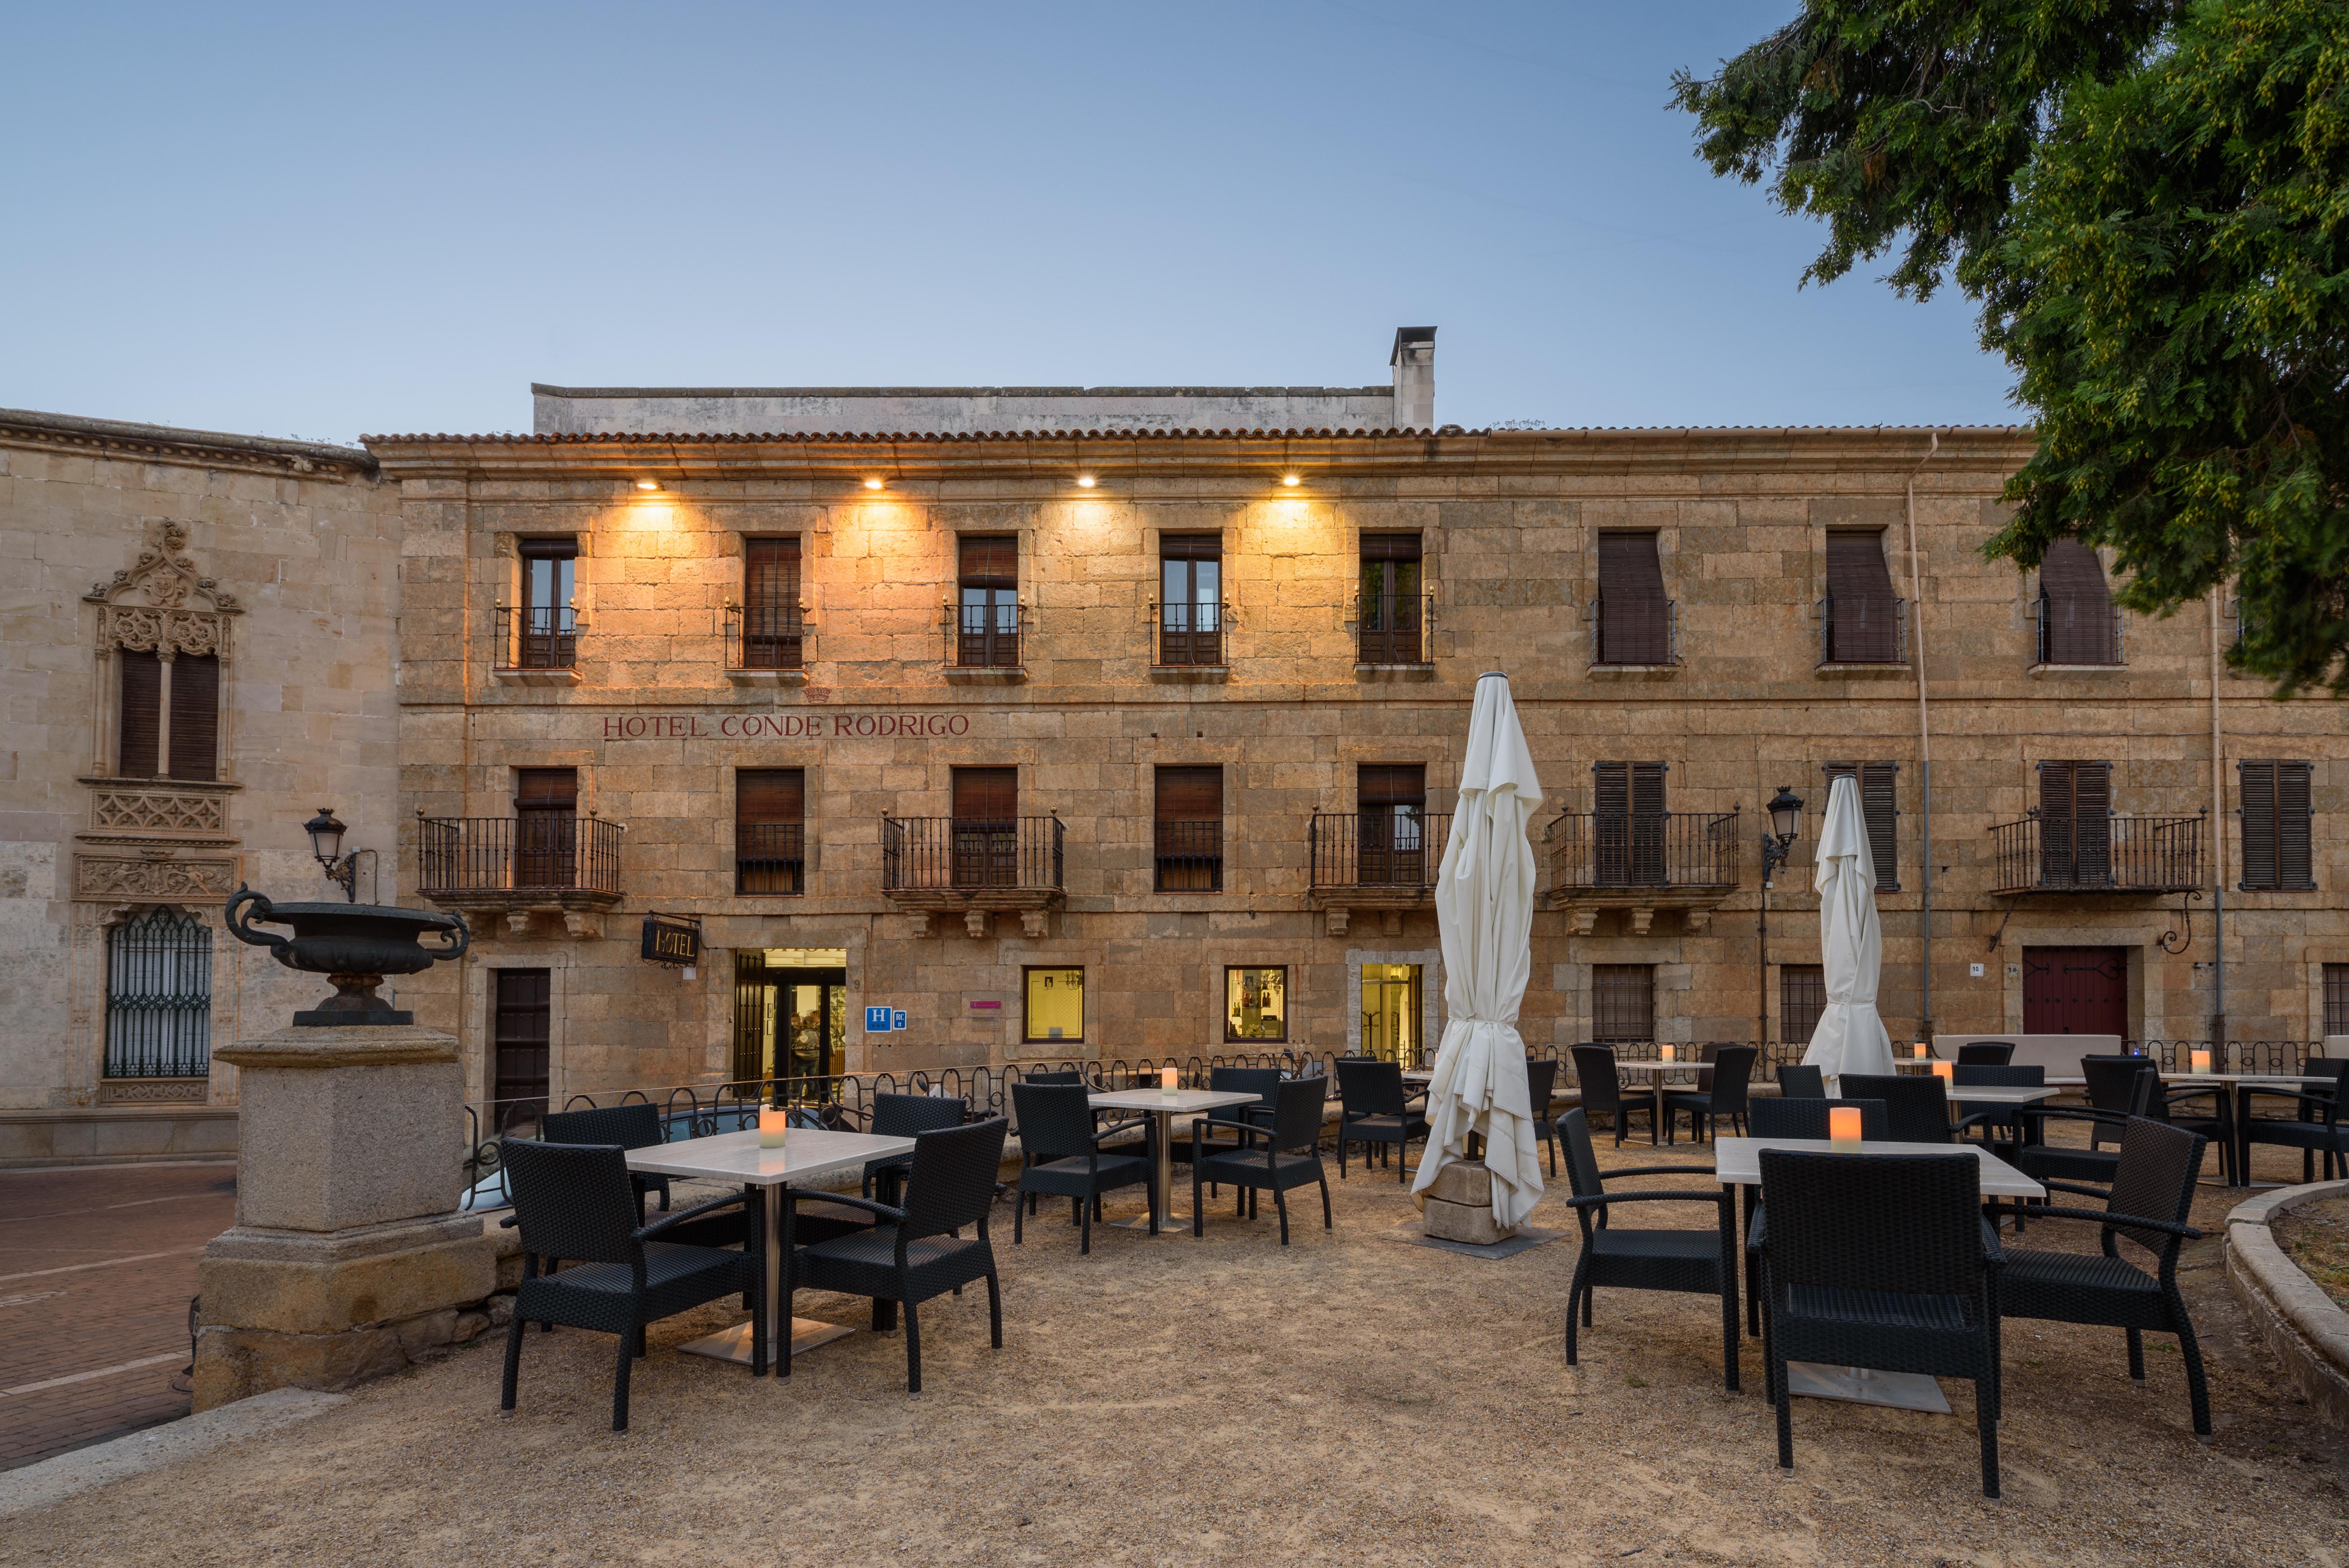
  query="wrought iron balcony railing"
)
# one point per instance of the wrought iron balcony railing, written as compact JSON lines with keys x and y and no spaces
{"x":1190,"y":856}
{"x":1395,"y":629}
{"x":1642,"y":850}
{"x":1640,"y":633}
{"x":931,"y":854}
{"x":766,"y":637}
{"x":770,"y":857}
{"x":1395,"y":849}
{"x":537,"y":637}
{"x":984,"y":636}
{"x":1859,"y":637}
{"x":1192,"y":636}
{"x":2098,"y":854}
{"x":550,"y":852}
{"x":2093,"y":639}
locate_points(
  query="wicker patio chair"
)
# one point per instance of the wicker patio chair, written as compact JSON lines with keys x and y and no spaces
{"x":1284,"y":1153}
{"x":637,"y":1125}
{"x":1917,"y":1108}
{"x":1541,"y":1087}
{"x":574,"y":1202}
{"x":907,"y":1115}
{"x":1882,"y":1261}
{"x":916,"y":1252}
{"x":1699,"y":1262}
{"x":2156,"y":1102}
{"x":1723,"y":1100}
{"x":2111,"y":1088}
{"x":1792,"y":1116}
{"x":1069,"y":1158}
{"x":1372,"y":1107}
{"x":2316,"y":1126}
{"x":2152,"y":1193}
{"x":1797,"y":1082}
{"x":1262,"y":1082}
{"x":1986,"y":1054}
{"x":1996,"y":1124}
{"x":1602,"y":1090}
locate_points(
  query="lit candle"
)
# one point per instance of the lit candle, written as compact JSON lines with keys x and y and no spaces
{"x":1917,"y":1050}
{"x":1166,"y":1080}
{"x":1947,"y":1072}
{"x":773,"y":1123}
{"x":2201,"y":1061}
{"x":1668,"y":1052}
{"x":1843,"y":1125}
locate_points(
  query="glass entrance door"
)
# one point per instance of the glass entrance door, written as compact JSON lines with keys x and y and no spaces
{"x":1391,"y":998}
{"x":789,"y":1025}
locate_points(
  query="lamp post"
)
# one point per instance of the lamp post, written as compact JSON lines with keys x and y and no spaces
{"x":1785,"y":810}
{"x":327,"y":844}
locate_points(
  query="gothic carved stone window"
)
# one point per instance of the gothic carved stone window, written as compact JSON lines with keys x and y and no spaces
{"x":163,"y":666}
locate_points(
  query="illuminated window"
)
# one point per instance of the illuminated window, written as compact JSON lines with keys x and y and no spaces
{"x":1255,"y":1004}
{"x":1056,"y":1005}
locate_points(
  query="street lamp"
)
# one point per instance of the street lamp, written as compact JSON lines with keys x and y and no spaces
{"x":1785,"y":810}
{"x":327,"y":843}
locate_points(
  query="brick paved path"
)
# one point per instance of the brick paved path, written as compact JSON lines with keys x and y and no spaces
{"x":97,"y":1266}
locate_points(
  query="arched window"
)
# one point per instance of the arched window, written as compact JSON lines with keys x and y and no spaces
{"x":163,"y":662}
{"x":159,"y":997}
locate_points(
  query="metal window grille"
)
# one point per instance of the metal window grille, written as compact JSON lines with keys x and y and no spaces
{"x":1801,"y":997}
{"x":2336,"y":998}
{"x":1622,"y":1002}
{"x":159,"y":997}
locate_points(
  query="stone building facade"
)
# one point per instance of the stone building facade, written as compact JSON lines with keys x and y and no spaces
{"x":1021,"y":746}
{"x":197,"y":653}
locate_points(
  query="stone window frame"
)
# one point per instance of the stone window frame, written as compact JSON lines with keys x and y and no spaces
{"x":1228,"y":533}
{"x":1430,"y":990}
{"x":1665,"y":524}
{"x":178,"y":611}
{"x":506,"y":545}
{"x":811,"y":840}
{"x":1289,"y":1034}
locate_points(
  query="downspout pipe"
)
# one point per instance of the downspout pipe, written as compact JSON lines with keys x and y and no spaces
{"x":1924,"y":749}
{"x":2218,"y":844}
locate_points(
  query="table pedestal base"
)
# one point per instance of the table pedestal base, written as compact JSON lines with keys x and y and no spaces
{"x":734,"y":1343}
{"x":1166,"y":1223}
{"x":1866,"y":1385}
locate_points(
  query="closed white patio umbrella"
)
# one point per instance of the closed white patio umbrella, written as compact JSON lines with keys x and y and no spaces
{"x":1485,"y":912}
{"x":1850,"y":1037}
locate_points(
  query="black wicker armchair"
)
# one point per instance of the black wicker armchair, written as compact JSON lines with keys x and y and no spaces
{"x":1985,"y":1054}
{"x":1882,"y":1261}
{"x":1792,"y":1116}
{"x":1541,"y":1087}
{"x":1276,"y":1157}
{"x":907,"y":1116}
{"x":1699,"y":1262}
{"x":1797,"y":1082}
{"x":1372,"y":1107}
{"x":574,"y":1202}
{"x":916,"y":1252}
{"x":636,"y":1125}
{"x":1262,"y":1082}
{"x":1068,"y":1157}
{"x":1995,"y":1124}
{"x":2315,"y":1128}
{"x":2152,"y":1192}
{"x":1917,"y":1108}
{"x":1602,"y":1090}
{"x":1723,"y":1100}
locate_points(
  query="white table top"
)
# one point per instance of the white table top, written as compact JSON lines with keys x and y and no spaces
{"x":1417,"y":1076}
{"x":1181,"y":1102}
{"x":2246,"y":1078}
{"x":808,"y":1154}
{"x":2002,"y":1093}
{"x":1644,"y":1066}
{"x":1737,"y":1161}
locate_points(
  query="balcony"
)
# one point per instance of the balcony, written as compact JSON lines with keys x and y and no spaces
{"x":1394,"y":631}
{"x":1381,"y":860}
{"x":1859,"y":637}
{"x":1190,"y":856}
{"x":933,"y":865}
{"x":538,"y":643}
{"x":985,"y":641}
{"x":2110,"y":854}
{"x":1641,"y":634}
{"x":541,"y":864}
{"x":1641,"y":862}
{"x":1191,"y":637}
{"x":766,"y":643}
{"x":2078,"y":637}
{"x":770,"y":858}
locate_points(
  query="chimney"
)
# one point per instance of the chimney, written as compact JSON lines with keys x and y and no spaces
{"x":1413,"y":360}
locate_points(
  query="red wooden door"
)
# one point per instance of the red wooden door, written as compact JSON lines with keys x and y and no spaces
{"x":2075,"y":991}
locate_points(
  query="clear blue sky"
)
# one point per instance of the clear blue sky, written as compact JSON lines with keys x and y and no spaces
{"x":320,"y":220}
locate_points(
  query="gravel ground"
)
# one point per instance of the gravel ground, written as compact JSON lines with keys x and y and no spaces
{"x":1353,"y":1399}
{"x":2316,"y":1237}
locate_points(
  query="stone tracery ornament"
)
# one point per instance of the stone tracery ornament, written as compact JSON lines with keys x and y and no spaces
{"x":160,"y":604}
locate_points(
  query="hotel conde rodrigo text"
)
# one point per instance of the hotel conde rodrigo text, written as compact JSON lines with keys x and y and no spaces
{"x":805,"y":730}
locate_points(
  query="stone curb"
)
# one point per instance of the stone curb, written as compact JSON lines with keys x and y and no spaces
{"x":68,"y":1475}
{"x":2308,"y":1332}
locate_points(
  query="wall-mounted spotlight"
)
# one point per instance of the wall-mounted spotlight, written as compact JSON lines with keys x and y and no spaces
{"x":873,"y":484}
{"x":1292,"y":480}
{"x":1084,"y":482}
{"x":648,"y":484}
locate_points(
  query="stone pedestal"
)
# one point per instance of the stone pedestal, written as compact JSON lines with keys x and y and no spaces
{"x":347,"y":1259}
{"x":1460,"y":1206}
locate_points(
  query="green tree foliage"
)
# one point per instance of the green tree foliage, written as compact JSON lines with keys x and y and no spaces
{"x":2152,"y":204}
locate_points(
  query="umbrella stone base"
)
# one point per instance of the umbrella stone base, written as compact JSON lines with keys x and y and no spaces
{"x":1460,"y":1206}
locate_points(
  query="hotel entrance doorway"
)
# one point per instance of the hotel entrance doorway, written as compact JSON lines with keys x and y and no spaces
{"x":790,"y":1016}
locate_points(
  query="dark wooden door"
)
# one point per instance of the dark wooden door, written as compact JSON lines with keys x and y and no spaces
{"x":521,"y":1033}
{"x":1628,"y":823}
{"x":2075,"y":991}
{"x":547,"y":826}
{"x":986,"y":827}
{"x":1393,"y":843}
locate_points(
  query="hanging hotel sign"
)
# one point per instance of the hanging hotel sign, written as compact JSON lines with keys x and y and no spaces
{"x":673,"y":939}
{"x":783,"y":726}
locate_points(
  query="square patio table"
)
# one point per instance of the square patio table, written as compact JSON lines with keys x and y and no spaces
{"x":2233,"y":1110}
{"x":1165,"y":1107}
{"x":1737,"y":1162}
{"x":1657,"y":1071}
{"x":809,"y":1155}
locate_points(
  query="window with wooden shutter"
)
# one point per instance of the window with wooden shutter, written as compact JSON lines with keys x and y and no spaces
{"x":138,"y":729}
{"x":769,"y":831}
{"x":546,"y":826}
{"x":522,"y":1035}
{"x":1634,"y":616}
{"x":1862,"y":615}
{"x":1392,"y":609}
{"x":1801,"y":997}
{"x":987,"y":630}
{"x":2076,"y":826}
{"x":2076,"y":623}
{"x":1622,"y":1002}
{"x":771,"y":628}
{"x":1628,"y":823}
{"x":1392,"y":825}
{"x":1191,"y":595}
{"x":2277,"y":847}
{"x":985,"y":827}
{"x":1879,"y":808}
{"x":1190,"y":830}
{"x":195,"y":717}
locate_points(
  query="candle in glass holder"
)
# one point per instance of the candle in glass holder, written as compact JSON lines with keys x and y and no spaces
{"x":1843,"y":1125}
{"x":1168,"y":1082}
{"x":2200,"y":1061}
{"x":772,"y":1124}
{"x":1667,"y":1052}
{"x":1947,"y":1072}
{"x":1917,"y":1050}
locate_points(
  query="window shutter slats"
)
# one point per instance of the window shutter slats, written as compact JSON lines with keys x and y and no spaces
{"x":1391,"y":547}
{"x":2256,"y":782}
{"x":2295,"y":865}
{"x":989,"y":560}
{"x":195,"y":717}
{"x":1863,"y":625}
{"x":985,"y":794}
{"x":547,"y":789}
{"x":2278,"y":850}
{"x":1610,"y":789}
{"x":1190,"y":794}
{"x":1879,"y":808}
{"x":1635,"y":622}
{"x":142,"y":694}
{"x":1381,"y":784}
{"x":1191,"y":547}
{"x":2078,"y":605}
{"x":771,"y":573}
{"x":770,"y":795}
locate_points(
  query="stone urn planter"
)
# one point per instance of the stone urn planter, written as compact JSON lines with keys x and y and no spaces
{"x":354,"y":944}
